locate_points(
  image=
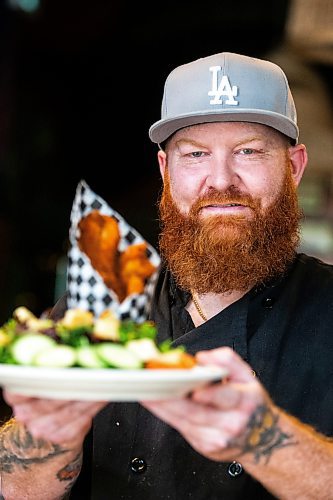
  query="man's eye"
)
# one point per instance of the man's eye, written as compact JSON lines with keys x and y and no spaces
{"x":247,"y":151}
{"x":197,"y":154}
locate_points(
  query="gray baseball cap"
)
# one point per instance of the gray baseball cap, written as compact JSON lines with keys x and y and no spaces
{"x":226,"y":87}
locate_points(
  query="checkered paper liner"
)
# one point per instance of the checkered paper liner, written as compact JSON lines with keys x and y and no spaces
{"x":86,"y":288}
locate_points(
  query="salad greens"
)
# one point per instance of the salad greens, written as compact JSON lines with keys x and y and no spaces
{"x":80,"y":340}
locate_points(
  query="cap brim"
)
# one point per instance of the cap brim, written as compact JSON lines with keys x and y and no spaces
{"x":162,"y":129}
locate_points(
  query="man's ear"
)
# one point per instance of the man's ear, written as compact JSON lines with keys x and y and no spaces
{"x":162,"y":161}
{"x":298,"y":159}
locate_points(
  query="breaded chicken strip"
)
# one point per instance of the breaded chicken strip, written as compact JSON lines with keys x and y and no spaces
{"x":135,"y":268}
{"x":99,"y":239}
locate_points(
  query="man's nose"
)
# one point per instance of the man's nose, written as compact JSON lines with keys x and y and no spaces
{"x":221,"y":175}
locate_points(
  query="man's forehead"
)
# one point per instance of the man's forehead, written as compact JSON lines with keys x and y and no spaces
{"x":225,"y":130}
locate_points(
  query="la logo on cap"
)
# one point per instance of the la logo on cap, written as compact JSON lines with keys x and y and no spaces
{"x":224,"y":89}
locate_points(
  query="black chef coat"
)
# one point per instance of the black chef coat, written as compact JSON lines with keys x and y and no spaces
{"x":284,"y":330}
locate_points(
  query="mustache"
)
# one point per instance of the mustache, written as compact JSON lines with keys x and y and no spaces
{"x":230,"y":196}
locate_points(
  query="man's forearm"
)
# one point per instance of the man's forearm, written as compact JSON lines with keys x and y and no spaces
{"x":289,"y":458}
{"x":33,"y":467}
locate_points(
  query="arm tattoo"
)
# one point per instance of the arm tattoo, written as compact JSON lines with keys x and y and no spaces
{"x":263,"y":435}
{"x":19,"y":448}
{"x":70,"y":472}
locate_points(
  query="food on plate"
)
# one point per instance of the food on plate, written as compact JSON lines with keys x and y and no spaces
{"x":81,"y":340}
{"x":123,"y":272}
{"x":170,"y":359}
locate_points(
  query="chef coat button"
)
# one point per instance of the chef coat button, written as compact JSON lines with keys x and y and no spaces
{"x":138,"y":465}
{"x":268,"y":302}
{"x":235,"y":469}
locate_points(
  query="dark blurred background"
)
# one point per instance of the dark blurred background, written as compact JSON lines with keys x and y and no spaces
{"x":82,"y":81}
{"x":80,"y":84}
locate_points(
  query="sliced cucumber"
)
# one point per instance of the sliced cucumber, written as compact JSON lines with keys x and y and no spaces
{"x":88,"y":357}
{"x":117,"y":356}
{"x":26,"y":347}
{"x":58,"y":356}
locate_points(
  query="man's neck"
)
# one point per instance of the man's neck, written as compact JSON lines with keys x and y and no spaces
{"x":205,"y":306}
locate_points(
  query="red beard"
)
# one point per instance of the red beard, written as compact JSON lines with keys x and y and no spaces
{"x":221,"y":254}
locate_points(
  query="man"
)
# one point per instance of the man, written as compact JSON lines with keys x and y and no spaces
{"x":234,"y":290}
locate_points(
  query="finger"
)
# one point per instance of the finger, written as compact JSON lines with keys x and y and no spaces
{"x":237,"y":369}
{"x":212,"y":443}
{"x":180,"y":416}
{"x":12,"y":398}
{"x":207,"y":439}
{"x":70,"y":423}
{"x":35,"y":408}
{"x":69,"y":412}
{"x":69,"y":435}
{"x":179,"y":413}
{"x":64,"y":430}
{"x":172,"y":411}
{"x":229,"y":395}
{"x":223,"y":396}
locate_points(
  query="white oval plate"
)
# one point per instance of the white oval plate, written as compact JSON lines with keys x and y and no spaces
{"x":106,"y":384}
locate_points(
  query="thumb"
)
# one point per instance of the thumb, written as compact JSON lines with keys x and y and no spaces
{"x":238,"y":370}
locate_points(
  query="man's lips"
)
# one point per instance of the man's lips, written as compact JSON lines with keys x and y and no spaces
{"x":223,"y":208}
{"x":223,"y":205}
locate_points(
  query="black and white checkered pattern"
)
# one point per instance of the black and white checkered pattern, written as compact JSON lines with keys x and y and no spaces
{"x":86,"y":288}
